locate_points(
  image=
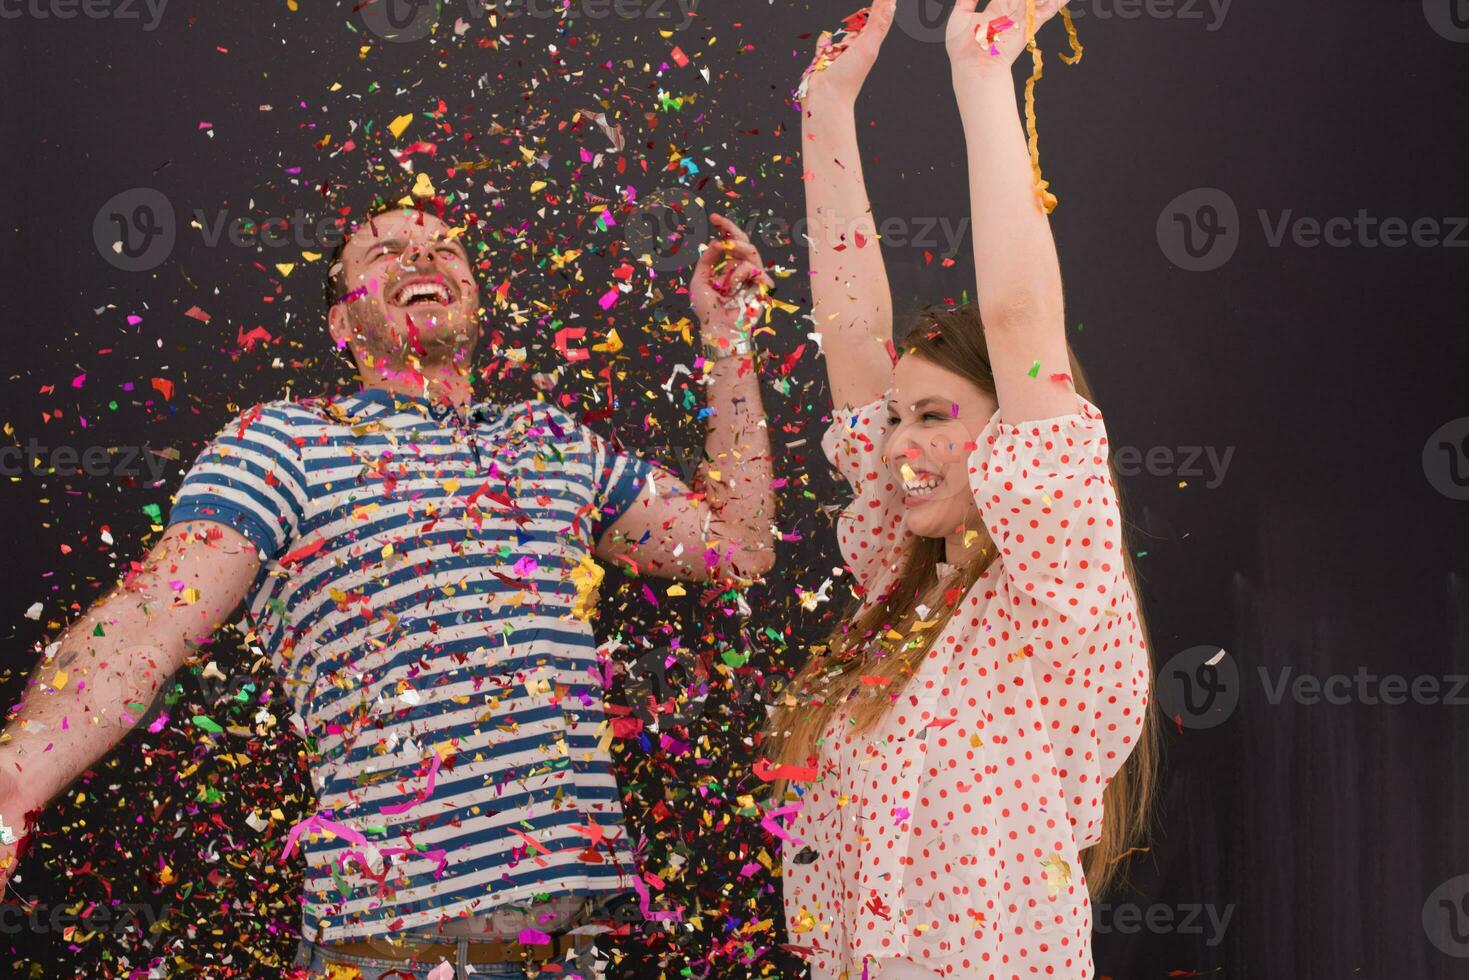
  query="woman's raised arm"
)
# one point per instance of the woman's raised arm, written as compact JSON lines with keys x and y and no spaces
{"x":1018,"y":273}
{"x":850,"y":298}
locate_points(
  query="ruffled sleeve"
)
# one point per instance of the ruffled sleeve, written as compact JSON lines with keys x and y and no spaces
{"x":872,"y":525}
{"x":1047,"y":498}
{"x":1046,"y":495}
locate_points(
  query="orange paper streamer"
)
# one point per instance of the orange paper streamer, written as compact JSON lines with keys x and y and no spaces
{"x":1047,"y":200}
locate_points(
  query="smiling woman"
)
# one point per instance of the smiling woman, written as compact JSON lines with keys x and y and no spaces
{"x":975,"y":741}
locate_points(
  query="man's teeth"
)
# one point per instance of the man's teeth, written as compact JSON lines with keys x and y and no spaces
{"x":422,"y":290}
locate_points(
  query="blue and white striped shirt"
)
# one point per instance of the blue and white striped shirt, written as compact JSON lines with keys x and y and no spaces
{"x":418,"y":601}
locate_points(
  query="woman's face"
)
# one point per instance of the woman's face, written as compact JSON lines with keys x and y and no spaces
{"x":935,"y":416}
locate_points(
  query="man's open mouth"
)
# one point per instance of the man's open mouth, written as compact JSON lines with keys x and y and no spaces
{"x":422,"y":292}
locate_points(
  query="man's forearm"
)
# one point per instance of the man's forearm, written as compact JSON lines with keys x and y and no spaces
{"x":738,"y":472}
{"x":85,"y":698}
{"x":110,"y":664}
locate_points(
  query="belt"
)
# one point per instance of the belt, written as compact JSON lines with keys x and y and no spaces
{"x":478,"y":950}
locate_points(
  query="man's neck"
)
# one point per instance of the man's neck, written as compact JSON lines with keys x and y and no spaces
{"x":441,"y":386}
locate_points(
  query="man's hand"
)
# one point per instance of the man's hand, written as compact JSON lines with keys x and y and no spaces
{"x":730,"y":283}
{"x":17,"y":810}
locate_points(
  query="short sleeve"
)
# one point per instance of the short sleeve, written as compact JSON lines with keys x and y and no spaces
{"x":249,"y":477}
{"x":618,"y":479}
{"x":1046,"y":495}
{"x":872,"y":525}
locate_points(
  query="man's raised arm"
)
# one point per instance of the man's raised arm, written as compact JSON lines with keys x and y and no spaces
{"x":82,"y":700}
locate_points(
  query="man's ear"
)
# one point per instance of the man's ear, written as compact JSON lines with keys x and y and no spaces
{"x":339,"y":322}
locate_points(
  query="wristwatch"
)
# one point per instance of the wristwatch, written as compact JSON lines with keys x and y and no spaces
{"x":739,"y":346}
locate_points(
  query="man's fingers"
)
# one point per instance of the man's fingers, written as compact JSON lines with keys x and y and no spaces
{"x":729,"y":228}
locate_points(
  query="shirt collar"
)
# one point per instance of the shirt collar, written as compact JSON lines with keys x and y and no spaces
{"x":438,"y":411}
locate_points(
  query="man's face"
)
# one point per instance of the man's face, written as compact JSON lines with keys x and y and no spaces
{"x":410,"y":290}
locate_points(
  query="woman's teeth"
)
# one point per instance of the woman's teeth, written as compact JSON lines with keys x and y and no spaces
{"x":915,"y":483}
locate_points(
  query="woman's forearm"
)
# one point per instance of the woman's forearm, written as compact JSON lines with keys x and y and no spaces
{"x":850,"y":297}
{"x":1018,"y":273}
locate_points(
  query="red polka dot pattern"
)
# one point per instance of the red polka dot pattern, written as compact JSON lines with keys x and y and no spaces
{"x":947,"y":840}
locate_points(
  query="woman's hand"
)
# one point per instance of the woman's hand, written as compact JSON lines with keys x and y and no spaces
{"x":730,"y":283}
{"x":841,"y":65}
{"x":986,"y":43}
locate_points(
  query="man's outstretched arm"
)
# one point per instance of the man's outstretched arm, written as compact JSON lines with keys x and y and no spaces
{"x":75,"y":707}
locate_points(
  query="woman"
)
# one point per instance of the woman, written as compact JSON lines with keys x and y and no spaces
{"x":955,"y":753}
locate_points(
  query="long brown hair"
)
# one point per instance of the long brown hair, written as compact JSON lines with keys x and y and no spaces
{"x":878,"y":647}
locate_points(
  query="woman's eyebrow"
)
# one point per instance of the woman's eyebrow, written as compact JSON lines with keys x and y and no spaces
{"x":931,"y":399}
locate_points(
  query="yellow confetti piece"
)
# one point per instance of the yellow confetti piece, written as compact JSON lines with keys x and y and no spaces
{"x":397,"y":126}
{"x":586,"y":576}
{"x":677,"y":590}
{"x":1057,"y":871}
{"x":284,"y":268}
{"x":190,"y":596}
{"x":59,"y":681}
{"x":423,"y":187}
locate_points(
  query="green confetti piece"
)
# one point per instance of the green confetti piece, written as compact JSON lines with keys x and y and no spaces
{"x":208,"y":724}
{"x":1035,"y":369}
{"x":154,"y":512}
{"x":97,"y":630}
{"x":734,"y":658}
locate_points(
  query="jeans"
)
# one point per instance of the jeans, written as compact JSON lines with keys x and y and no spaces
{"x":312,"y":957}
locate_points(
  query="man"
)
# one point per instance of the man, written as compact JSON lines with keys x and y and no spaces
{"x":419,"y":567}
